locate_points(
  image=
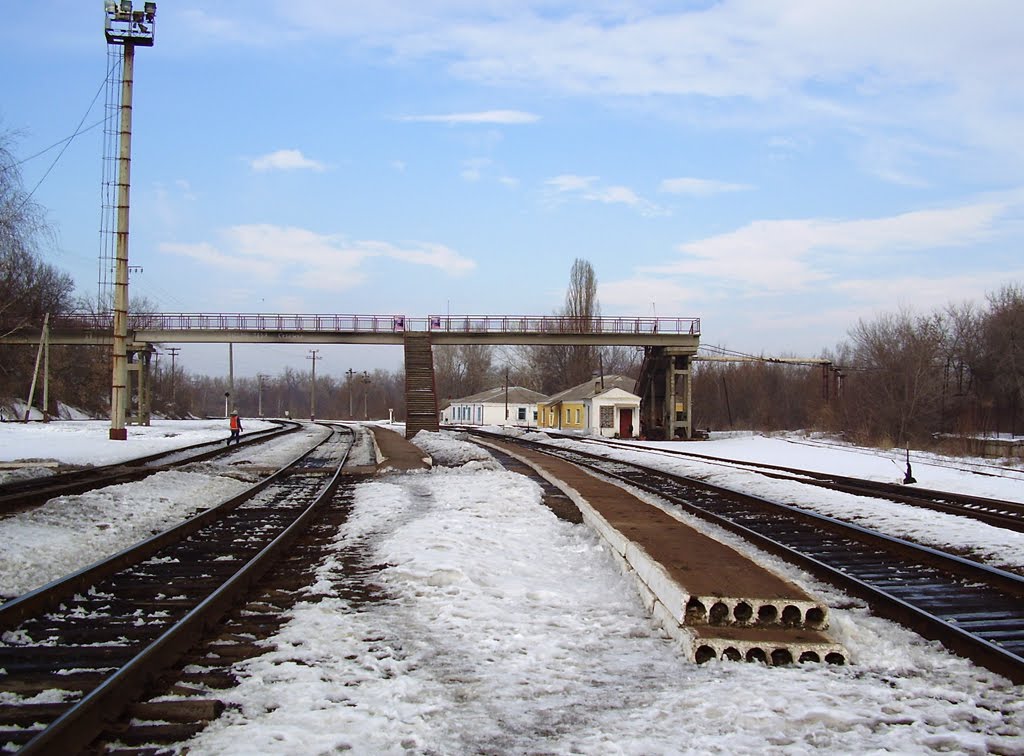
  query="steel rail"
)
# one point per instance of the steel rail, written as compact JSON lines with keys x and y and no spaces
{"x":20,"y":494}
{"x":34,"y":602}
{"x":996,"y":512}
{"x":1006,"y":587}
{"x":86,"y":719}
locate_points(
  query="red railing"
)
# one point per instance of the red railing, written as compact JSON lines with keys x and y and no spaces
{"x":529,"y":324}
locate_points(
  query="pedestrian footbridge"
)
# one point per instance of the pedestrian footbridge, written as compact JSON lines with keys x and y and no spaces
{"x":668,"y":342}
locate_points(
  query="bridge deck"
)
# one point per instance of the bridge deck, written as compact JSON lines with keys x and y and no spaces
{"x":87,"y":328}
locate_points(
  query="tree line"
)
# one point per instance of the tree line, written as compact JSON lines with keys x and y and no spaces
{"x":900,"y":378}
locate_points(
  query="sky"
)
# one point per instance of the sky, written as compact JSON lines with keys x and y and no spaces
{"x":526,"y":636}
{"x":777,"y":168}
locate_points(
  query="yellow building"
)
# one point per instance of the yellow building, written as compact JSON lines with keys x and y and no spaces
{"x":606,"y":406}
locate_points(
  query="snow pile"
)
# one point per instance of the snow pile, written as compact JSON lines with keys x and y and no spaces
{"x":454,"y":450}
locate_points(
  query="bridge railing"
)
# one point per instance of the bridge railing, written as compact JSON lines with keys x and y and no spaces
{"x":528,"y":324}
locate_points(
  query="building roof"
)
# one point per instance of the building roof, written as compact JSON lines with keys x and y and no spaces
{"x":593,"y":388}
{"x":516,"y":395}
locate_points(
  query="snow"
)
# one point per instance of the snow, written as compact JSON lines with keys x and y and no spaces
{"x":976,"y":540}
{"x":501,"y":629}
{"x":71,"y":532}
{"x":87,"y":442}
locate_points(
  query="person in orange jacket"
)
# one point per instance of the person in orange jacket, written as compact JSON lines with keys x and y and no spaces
{"x":235,"y":423}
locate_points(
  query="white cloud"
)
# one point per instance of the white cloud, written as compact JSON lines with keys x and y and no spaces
{"x":300,"y":257}
{"x":472,"y":170}
{"x":503,"y":117}
{"x":787,"y":255}
{"x":588,"y":188}
{"x":942,"y":69}
{"x":285,"y":160}
{"x":571,"y":182}
{"x":646,"y":296}
{"x":700,"y":187}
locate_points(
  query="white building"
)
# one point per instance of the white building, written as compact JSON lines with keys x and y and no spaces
{"x":498,"y":406}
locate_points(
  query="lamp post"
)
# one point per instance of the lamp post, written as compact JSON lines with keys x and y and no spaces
{"x":128,"y":28}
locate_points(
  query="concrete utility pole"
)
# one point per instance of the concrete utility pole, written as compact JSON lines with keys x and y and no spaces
{"x":260,"y":377}
{"x":174,"y":353}
{"x":231,"y":376}
{"x":312,"y":388}
{"x":366,"y":391}
{"x":128,"y":28}
{"x":350,"y":372}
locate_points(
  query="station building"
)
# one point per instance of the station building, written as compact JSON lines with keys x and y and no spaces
{"x":489,"y":408}
{"x":604,"y":406}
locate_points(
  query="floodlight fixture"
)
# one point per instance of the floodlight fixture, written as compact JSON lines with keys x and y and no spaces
{"x":124,"y":25}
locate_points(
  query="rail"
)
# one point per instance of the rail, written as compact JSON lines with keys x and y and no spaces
{"x":380,"y":324}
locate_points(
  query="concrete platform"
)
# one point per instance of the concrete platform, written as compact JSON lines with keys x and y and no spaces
{"x":715,"y":601}
{"x":396,"y":453}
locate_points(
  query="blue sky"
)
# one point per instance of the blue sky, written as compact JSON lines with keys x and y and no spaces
{"x":777,"y":168}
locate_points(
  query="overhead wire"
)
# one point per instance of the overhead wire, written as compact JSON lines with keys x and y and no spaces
{"x":67,"y":141}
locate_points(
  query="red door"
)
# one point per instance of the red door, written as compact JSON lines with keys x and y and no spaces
{"x":626,"y":423}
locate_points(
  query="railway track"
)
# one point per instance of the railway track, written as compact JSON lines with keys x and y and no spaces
{"x":974,"y":610}
{"x":996,"y":512}
{"x":17,"y":496}
{"x":78,"y":652}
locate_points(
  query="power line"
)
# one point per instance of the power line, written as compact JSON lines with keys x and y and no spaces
{"x":67,"y":142}
{"x":43,"y":151}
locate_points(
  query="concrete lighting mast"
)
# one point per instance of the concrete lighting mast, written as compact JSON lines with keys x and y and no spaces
{"x":128,"y":28}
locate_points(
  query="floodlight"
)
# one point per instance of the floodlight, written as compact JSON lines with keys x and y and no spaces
{"x":126,"y":6}
{"x":110,"y":6}
{"x":150,"y":11}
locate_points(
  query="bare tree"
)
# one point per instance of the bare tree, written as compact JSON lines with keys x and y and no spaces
{"x":29,"y":287}
{"x":559,"y":367}
{"x":897,"y":395}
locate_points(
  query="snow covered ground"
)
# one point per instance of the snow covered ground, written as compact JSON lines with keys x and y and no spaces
{"x":505,"y":630}
{"x":71,"y":532}
{"x":983,"y":543}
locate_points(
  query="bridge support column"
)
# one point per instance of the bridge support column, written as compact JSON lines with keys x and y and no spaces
{"x":139,"y":386}
{"x":665,"y":393}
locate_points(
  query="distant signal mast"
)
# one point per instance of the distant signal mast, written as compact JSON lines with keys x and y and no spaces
{"x":126,"y":28}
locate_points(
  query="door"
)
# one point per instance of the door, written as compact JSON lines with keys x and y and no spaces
{"x":625,"y":423}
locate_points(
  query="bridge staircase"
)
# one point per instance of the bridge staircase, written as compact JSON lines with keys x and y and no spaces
{"x":420,"y":392}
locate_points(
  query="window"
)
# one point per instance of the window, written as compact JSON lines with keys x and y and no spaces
{"x":522,"y":413}
{"x":568,"y":415}
{"x":577,"y":416}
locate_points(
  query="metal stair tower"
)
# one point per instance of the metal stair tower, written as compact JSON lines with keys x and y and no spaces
{"x":420,"y":393}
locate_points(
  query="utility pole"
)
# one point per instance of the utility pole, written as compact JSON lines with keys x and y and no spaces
{"x":260,"y":378}
{"x":174,"y":353}
{"x":128,"y":28}
{"x":506,"y":396}
{"x":350,"y":372}
{"x":312,"y":389}
{"x":229,"y":401}
{"x":366,"y":391}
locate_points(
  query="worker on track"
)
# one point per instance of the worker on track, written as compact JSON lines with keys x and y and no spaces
{"x":235,"y":423}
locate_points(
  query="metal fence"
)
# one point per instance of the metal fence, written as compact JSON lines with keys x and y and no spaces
{"x":512,"y":324}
